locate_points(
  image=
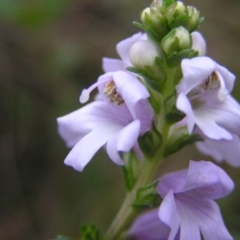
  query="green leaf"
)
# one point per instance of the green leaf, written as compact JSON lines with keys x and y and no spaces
{"x":177,"y":144}
{"x":134,"y":70}
{"x":90,"y":232}
{"x":176,"y":58}
{"x":147,"y":197}
{"x":139,"y":25}
{"x":130,"y":169}
{"x":174,"y":116}
{"x":150,"y":142}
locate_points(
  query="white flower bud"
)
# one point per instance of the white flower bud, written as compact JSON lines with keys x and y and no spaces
{"x":177,"y":40}
{"x":153,"y":19}
{"x":198,"y":43}
{"x":175,"y":10}
{"x":143,"y":53}
{"x":193,"y":20}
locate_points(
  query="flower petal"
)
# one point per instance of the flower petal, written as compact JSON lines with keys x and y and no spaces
{"x":131,"y":90}
{"x":199,"y":43}
{"x":195,"y":72}
{"x":84,"y":150}
{"x":220,"y":150}
{"x":124,"y":46}
{"x":214,"y":116}
{"x":207,"y":180}
{"x":123,"y":141}
{"x":168,"y":214}
{"x":73,"y":126}
{"x":197,"y":214}
{"x":112,"y":65}
{"x":149,"y":227}
{"x":184,"y":105}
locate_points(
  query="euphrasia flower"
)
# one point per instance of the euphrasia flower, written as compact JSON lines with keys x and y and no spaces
{"x":203,"y":95}
{"x":117,"y":120}
{"x":123,"y":49}
{"x":187,"y":209}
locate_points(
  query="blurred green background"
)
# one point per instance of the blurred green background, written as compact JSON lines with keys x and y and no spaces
{"x":49,"y":51}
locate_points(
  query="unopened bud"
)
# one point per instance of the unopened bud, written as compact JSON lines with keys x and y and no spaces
{"x":153,"y":19}
{"x":175,"y":10}
{"x":143,"y":53}
{"x":178,"y":14}
{"x":178,"y":39}
{"x":193,"y":18}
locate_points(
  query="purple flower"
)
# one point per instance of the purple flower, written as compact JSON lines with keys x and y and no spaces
{"x":188,"y":209}
{"x":123,"y":49}
{"x":117,"y":120}
{"x":221,"y":150}
{"x":203,"y":97}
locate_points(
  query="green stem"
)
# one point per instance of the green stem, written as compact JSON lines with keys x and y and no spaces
{"x":127,"y":213}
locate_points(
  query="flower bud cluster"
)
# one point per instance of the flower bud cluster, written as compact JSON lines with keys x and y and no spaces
{"x":171,"y":25}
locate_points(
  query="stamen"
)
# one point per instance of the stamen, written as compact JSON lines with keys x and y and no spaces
{"x":111,"y":93}
{"x":211,"y":83}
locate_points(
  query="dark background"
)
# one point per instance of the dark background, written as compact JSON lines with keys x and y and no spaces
{"x":49,"y":51}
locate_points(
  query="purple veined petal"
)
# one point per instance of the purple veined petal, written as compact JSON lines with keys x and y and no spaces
{"x":73,"y":126}
{"x":195,"y":72}
{"x":198,"y":214}
{"x":189,"y":228}
{"x":124,"y":46}
{"x":149,"y":227}
{"x":85,"y":149}
{"x":112,"y":65}
{"x":184,"y":105}
{"x":199,"y":43}
{"x":228,"y":114}
{"x":220,"y":150}
{"x":123,"y":141}
{"x":168,"y":214}
{"x":214,"y":228}
{"x":131,"y":90}
{"x":210,"y":116}
{"x":207,"y":180}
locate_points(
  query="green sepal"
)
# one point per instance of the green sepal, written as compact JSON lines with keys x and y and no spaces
{"x":167,"y":3}
{"x":174,"y":116}
{"x":134,"y":70}
{"x":130,"y":169}
{"x":150,"y":142}
{"x":90,"y":232}
{"x":180,"y":143}
{"x":176,"y":58}
{"x":180,"y":20}
{"x":147,"y":197}
{"x":152,"y":34}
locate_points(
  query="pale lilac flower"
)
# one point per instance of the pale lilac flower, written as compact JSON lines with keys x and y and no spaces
{"x":203,"y":95}
{"x":117,"y":120}
{"x":188,"y":209}
{"x":123,"y":50}
{"x":221,"y":150}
